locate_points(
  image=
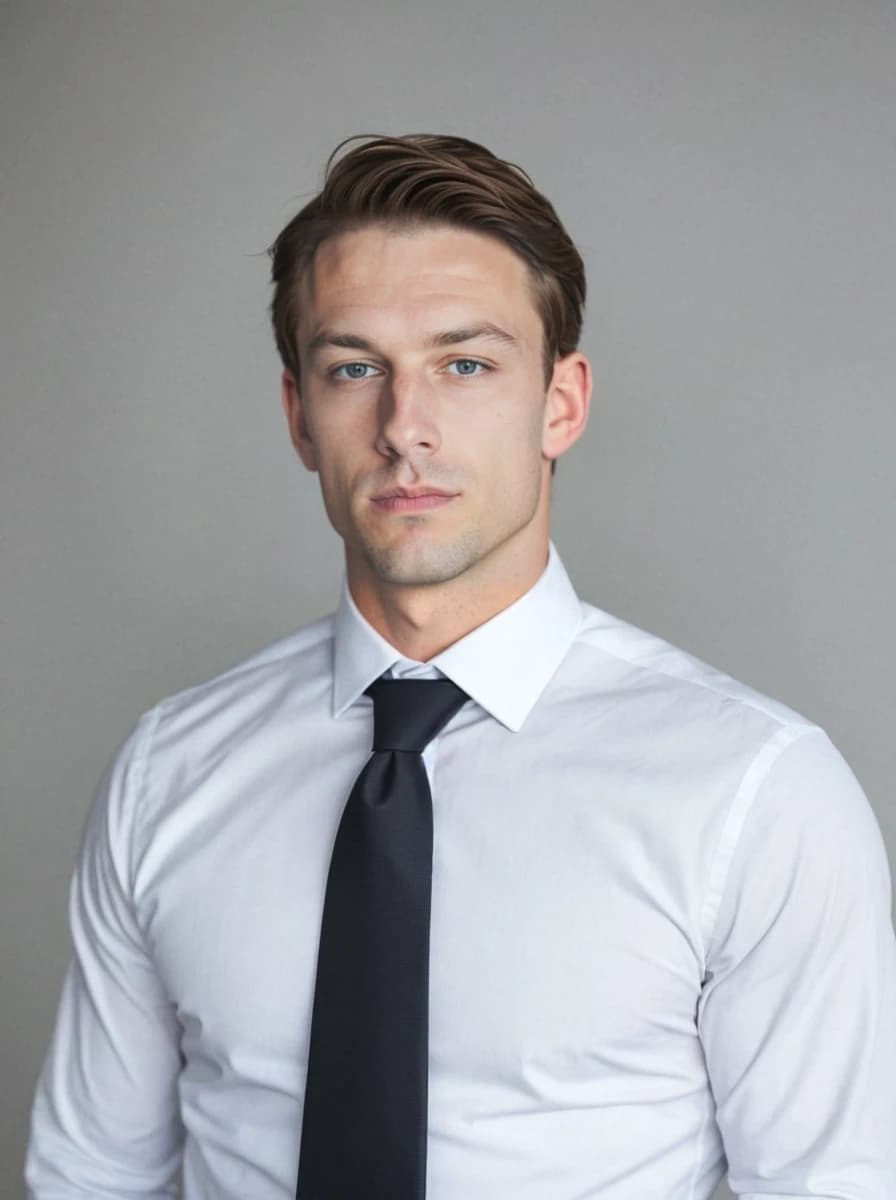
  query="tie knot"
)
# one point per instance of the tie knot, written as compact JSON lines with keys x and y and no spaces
{"x":409,"y":713}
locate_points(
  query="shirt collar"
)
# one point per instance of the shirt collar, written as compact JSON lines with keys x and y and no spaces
{"x":504,"y":664}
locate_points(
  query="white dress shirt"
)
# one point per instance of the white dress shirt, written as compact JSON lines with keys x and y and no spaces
{"x":661,"y":929}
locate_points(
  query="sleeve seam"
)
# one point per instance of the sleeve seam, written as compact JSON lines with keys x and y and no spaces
{"x":140,"y":774}
{"x":753,"y":778}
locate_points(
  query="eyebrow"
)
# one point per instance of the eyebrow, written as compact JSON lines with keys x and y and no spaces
{"x":446,"y":337}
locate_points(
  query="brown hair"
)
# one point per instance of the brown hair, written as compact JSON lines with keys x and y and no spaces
{"x":433,"y":178}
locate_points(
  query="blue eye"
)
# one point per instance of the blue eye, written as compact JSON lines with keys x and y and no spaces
{"x":354,"y":370}
{"x":468,"y":366}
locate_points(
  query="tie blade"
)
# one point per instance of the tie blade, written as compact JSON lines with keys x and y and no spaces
{"x":364,"y":1124}
{"x":364,"y":1119}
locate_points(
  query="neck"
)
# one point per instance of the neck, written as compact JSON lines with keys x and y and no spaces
{"x":422,"y":621}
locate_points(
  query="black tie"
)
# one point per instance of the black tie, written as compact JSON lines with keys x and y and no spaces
{"x":364,"y":1121}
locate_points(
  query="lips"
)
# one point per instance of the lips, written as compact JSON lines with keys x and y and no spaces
{"x":411,"y":493}
{"x":410,"y":500}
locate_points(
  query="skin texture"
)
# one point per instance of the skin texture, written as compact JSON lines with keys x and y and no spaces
{"x":422,"y":375}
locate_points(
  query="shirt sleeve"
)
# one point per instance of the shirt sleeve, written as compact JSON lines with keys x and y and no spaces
{"x":798,"y":1012}
{"x":105,"y":1119}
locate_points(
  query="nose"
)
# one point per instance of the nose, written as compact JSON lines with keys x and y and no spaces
{"x":408,"y":419}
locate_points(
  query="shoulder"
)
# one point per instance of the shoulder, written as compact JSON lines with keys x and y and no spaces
{"x":220,"y":715}
{"x":721,"y":742}
{"x":301,"y":659}
{"x":790,"y":760}
{"x":645,"y":660}
{"x":201,"y":732}
{"x":305,"y":652}
{"x":788,"y":807}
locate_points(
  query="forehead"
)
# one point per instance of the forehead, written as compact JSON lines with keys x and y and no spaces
{"x":419,"y":274}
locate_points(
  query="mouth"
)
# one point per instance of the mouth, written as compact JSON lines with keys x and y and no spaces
{"x":412,"y":500}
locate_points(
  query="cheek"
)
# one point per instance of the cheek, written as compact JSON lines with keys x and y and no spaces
{"x":513,"y":437}
{"x":334,"y":505}
{"x":346,"y":465}
{"x":332,"y":471}
{"x":338,"y":444}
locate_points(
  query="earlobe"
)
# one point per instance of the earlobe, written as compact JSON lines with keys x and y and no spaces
{"x":568,"y":404}
{"x":295,"y":417}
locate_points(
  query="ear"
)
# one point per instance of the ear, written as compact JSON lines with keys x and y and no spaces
{"x":568,"y":404}
{"x":295,"y":417}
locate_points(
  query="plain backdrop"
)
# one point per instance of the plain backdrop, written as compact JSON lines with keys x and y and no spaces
{"x":728,"y":170}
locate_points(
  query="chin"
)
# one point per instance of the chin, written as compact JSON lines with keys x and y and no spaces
{"x":422,"y":565}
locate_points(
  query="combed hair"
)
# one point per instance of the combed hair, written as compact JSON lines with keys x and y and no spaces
{"x":432,"y":179}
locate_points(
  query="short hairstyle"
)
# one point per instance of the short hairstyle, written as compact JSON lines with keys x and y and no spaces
{"x":421,"y":179}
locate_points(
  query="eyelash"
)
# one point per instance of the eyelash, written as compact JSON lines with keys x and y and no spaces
{"x":485,"y":368}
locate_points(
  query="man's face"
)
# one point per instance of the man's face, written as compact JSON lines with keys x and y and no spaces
{"x":422,"y":401}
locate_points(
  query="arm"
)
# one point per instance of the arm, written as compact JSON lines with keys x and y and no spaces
{"x":105,"y":1120}
{"x":798,"y":1012}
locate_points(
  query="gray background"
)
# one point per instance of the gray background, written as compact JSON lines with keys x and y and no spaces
{"x":726,"y":168}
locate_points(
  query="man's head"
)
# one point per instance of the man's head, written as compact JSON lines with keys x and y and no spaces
{"x":433,"y":179}
{"x":427,"y":307}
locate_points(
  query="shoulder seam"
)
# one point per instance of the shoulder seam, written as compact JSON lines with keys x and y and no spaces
{"x":706,"y":686}
{"x":261,"y":658}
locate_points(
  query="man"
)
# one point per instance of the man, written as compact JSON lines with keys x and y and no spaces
{"x":626,"y":920}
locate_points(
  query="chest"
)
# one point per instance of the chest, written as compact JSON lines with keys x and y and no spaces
{"x":564,"y":938}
